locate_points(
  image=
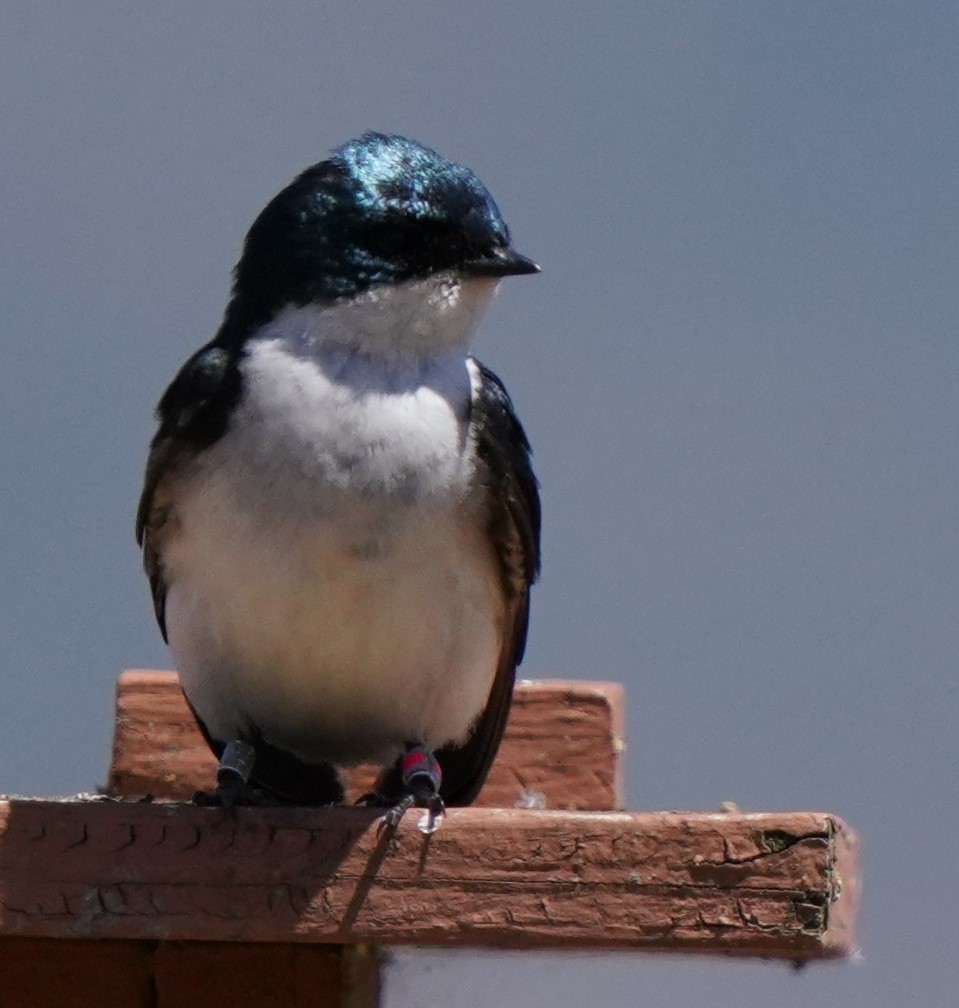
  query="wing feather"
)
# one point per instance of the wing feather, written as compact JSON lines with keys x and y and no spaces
{"x":513,"y":509}
{"x":192,"y":415}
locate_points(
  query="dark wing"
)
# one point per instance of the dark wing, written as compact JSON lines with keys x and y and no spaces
{"x":193,"y":414}
{"x":514,"y":528}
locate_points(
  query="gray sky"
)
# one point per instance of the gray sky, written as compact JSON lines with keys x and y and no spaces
{"x":738,"y":370}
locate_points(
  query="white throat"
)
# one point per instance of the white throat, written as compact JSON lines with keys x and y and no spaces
{"x":330,"y":578}
{"x":402,"y":322}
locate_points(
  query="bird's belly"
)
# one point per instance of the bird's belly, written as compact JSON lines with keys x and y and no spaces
{"x":339,"y":636}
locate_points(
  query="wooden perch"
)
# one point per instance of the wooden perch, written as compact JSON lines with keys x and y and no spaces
{"x":562,"y":750}
{"x":779,"y":885}
{"x":80,"y":973}
{"x":152,"y":904}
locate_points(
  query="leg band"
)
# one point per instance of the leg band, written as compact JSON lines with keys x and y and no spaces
{"x":237,"y":759}
{"x":420,"y":763}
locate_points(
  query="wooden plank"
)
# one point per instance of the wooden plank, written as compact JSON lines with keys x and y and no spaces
{"x":147,"y":974}
{"x":776,"y":885}
{"x":563,"y":746}
{"x":264,"y":975}
{"x":40,"y":971}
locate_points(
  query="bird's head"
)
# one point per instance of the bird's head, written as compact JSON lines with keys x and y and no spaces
{"x":380,"y":210}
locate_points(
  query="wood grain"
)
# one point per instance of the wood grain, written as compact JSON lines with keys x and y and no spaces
{"x":563,"y":746}
{"x":780,"y":884}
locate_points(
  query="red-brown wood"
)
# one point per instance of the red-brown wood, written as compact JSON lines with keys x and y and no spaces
{"x":562,"y":749}
{"x":229,"y":975}
{"x":781,"y":885}
{"x":41,"y":972}
{"x":78,"y":973}
{"x":128,"y":904}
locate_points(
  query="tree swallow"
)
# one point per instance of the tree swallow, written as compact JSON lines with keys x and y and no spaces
{"x":340,"y":522}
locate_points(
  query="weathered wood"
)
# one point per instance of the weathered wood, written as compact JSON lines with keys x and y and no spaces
{"x":778,"y":884}
{"x":563,"y":746}
{"x":144,"y":974}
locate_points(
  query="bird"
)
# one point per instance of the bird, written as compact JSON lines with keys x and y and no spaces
{"x":340,"y":523}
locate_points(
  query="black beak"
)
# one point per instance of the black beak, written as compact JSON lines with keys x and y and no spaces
{"x":499,"y":263}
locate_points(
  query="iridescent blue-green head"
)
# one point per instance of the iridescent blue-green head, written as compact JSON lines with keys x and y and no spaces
{"x":380,"y":210}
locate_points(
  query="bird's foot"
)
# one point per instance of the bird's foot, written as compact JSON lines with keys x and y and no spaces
{"x":420,"y":777}
{"x":234,"y":797}
{"x":428,"y":823}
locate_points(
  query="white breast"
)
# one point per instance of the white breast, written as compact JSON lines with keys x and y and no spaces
{"x":330,"y":580}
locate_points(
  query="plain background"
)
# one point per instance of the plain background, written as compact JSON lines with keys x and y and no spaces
{"x":738,"y":369}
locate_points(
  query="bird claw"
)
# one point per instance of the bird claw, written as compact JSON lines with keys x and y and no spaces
{"x":434,"y":809}
{"x":232,"y":796}
{"x":421,"y":776}
{"x":393,"y":815}
{"x":431,"y":820}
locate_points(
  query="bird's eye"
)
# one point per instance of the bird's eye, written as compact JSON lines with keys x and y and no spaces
{"x":393,"y":237}
{"x":476,"y":227}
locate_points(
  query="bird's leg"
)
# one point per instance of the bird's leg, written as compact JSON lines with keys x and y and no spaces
{"x":417,"y":777}
{"x":232,"y":778}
